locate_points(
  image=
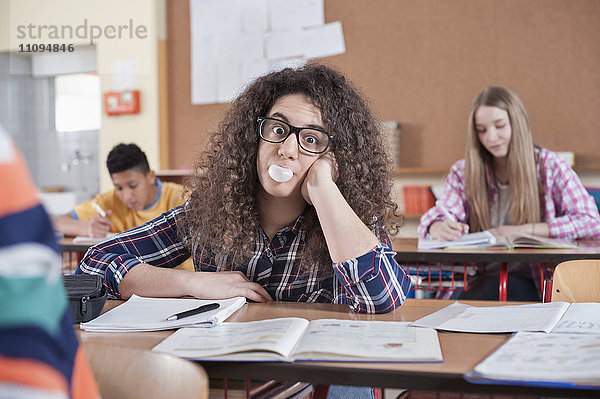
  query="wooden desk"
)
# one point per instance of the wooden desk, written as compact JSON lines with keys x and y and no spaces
{"x":461,"y":353}
{"x":407,"y":251}
{"x":67,"y":244}
{"x":72,"y":253}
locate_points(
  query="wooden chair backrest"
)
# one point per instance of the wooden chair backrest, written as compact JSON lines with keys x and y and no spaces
{"x":135,"y":373}
{"x":576,"y":281}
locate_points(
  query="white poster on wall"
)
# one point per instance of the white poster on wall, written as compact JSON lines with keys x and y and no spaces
{"x":235,"y":41}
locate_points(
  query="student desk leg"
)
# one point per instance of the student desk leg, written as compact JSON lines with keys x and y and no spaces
{"x":70,"y":261}
{"x":503,"y":278}
{"x":546,"y":285}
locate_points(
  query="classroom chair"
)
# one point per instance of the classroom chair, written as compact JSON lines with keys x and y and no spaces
{"x":576,"y":281}
{"x":134,"y":373}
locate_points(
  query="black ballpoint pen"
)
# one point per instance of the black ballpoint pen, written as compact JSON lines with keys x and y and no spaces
{"x":191,"y":312}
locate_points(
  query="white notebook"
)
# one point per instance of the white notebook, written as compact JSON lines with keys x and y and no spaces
{"x":150,"y":314}
{"x":467,"y":240}
{"x":556,"y":317}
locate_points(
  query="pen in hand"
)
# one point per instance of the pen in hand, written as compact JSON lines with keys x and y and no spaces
{"x":102,"y":213}
{"x":448,"y":215}
{"x":99,"y":209}
{"x":192,"y":312}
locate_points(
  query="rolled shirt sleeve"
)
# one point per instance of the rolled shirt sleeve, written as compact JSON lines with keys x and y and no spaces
{"x":454,"y":200}
{"x":569,"y":209}
{"x":373,"y":282}
{"x":155,"y":243}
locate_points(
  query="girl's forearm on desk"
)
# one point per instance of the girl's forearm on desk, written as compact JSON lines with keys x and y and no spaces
{"x":147,"y":280}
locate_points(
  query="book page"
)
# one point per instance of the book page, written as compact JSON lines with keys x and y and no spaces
{"x":582,"y":318}
{"x":150,"y":314}
{"x":532,"y":241}
{"x":237,"y":340}
{"x":495,"y":319}
{"x":354,"y":340}
{"x":502,"y":242}
{"x":528,"y":356}
{"x":436,"y":319}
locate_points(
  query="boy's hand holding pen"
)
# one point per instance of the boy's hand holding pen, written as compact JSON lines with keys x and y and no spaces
{"x":100,"y":224}
{"x":448,"y":229}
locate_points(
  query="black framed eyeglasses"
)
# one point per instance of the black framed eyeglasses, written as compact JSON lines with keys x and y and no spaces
{"x":310,"y":139}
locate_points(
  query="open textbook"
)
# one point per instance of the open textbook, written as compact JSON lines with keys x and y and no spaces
{"x":530,"y":241}
{"x":557,"y":317}
{"x":486,"y":240}
{"x":539,"y":359}
{"x":291,"y":338}
{"x":150,"y":314}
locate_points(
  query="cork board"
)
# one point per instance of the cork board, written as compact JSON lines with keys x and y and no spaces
{"x":422,"y":62}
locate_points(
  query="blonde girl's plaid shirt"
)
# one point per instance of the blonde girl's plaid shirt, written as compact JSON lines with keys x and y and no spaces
{"x":567,"y":207}
{"x":371,"y":283}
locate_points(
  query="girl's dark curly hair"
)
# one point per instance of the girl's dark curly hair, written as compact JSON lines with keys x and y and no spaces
{"x":223,"y":214}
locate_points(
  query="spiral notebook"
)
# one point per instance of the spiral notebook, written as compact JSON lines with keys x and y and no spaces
{"x":150,"y":314}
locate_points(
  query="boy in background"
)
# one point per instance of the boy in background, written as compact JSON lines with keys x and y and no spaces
{"x":138,"y":197}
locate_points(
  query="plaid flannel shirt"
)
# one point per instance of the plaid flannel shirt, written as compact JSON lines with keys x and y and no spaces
{"x":567,"y":207}
{"x":372,"y":283}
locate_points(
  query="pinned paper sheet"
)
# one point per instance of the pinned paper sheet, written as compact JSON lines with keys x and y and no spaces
{"x":296,"y":14}
{"x":235,"y":41}
{"x":285,"y":44}
{"x":254,"y":16}
{"x":229,"y":79}
{"x":204,"y":83}
{"x":325,"y":41}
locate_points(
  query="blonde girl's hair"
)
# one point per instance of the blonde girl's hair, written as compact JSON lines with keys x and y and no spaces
{"x":522,"y":174}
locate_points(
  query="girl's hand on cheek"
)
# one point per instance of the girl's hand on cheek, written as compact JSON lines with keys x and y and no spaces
{"x":323,"y":170}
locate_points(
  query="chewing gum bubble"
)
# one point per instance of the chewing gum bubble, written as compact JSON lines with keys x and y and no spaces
{"x":279,"y":174}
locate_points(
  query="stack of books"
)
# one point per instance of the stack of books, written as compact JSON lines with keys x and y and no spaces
{"x":417,"y":199}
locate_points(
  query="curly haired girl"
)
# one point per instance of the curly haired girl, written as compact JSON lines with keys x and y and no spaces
{"x":287,"y":203}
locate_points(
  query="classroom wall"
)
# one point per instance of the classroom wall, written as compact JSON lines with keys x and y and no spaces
{"x":422,"y":63}
{"x":142,"y":128}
